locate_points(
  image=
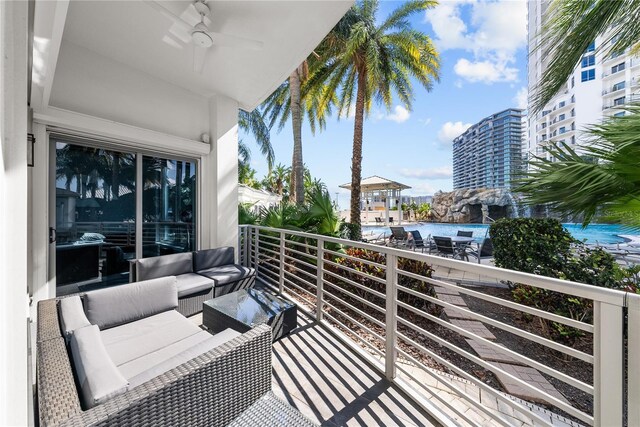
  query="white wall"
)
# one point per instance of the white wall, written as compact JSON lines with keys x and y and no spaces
{"x":92,"y":84}
{"x":14,"y":379}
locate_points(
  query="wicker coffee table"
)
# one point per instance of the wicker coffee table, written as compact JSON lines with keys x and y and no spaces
{"x":243,"y":310}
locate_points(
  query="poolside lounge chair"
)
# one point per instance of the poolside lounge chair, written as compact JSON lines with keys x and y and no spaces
{"x":398,"y":236}
{"x":390,"y":220}
{"x":485,"y":250}
{"x":446,"y":248}
{"x":378,"y":220}
{"x":462,"y":233}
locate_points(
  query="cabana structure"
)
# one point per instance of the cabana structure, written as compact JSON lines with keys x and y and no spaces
{"x":378,"y":195}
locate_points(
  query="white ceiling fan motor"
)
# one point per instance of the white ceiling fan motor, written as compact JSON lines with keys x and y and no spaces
{"x":200,"y":34}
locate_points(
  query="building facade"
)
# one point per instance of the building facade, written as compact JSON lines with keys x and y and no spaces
{"x":489,"y":153}
{"x":602,"y":82}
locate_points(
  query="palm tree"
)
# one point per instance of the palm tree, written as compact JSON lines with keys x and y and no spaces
{"x":294,"y":99}
{"x":604,"y":177}
{"x":277,"y":179}
{"x":254,"y":124}
{"x":368,"y":60}
{"x":572,"y":25}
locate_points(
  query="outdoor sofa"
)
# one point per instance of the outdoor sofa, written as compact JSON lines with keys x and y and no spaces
{"x":124,"y":356}
{"x":201,"y":275}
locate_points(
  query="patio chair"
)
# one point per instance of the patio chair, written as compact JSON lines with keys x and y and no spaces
{"x":398,"y":236}
{"x":446,"y":248}
{"x":485,"y":250}
{"x":390,"y":220}
{"x":420,"y":243}
{"x":462,"y":233}
{"x":378,"y":220}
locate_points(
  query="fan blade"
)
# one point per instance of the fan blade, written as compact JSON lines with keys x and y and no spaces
{"x":169,"y":14}
{"x":227,"y":40}
{"x":199,"y":58}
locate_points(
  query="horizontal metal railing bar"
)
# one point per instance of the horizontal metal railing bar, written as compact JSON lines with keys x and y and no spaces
{"x":298,"y":287}
{"x":274,"y":245}
{"x":486,"y":365}
{"x":357,"y":285}
{"x":270,"y":239}
{"x":352,"y":295}
{"x":298,"y":269}
{"x":262,"y":270}
{"x":368,"y":344}
{"x":304,"y":245}
{"x":606,"y":295}
{"x":357,"y":310}
{"x":505,"y":327}
{"x":360,"y":273}
{"x":304,"y":254}
{"x":587,"y":388}
{"x":298,"y":260}
{"x":312,"y":285}
{"x":459,"y":390}
{"x":263,"y":249}
{"x":514,"y":305}
{"x":364,"y":261}
{"x":474,"y":380}
{"x":269,"y":280}
{"x":360,"y":325}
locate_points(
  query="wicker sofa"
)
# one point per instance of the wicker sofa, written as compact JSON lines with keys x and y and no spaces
{"x":201,"y":275}
{"x":173,"y":375}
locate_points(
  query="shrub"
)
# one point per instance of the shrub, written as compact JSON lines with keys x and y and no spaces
{"x":417,"y":267}
{"x":543,"y":246}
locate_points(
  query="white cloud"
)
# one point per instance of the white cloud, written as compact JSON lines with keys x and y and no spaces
{"x":426,"y":121}
{"x":431,"y":173}
{"x":522,"y":98}
{"x":450,"y":130}
{"x":422,"y":189}
{"x":485,"y":71}
{"x":350,"y":113}
{"x":399,"y":115}
{"x":493,"y":34}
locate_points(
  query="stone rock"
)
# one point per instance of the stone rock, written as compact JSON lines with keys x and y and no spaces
{"x":473,"y":205}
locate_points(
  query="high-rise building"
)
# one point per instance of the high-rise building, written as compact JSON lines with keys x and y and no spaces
{"x":489,"y":153}
{"x":602,"y":81}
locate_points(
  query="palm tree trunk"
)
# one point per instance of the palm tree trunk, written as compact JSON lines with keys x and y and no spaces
{"x":356,"y":159}
{"x":296,"y":184}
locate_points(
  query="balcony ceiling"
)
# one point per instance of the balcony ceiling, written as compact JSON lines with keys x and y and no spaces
{"x":140,"y":35}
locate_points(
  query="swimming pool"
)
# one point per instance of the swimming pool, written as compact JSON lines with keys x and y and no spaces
{"x":601,"y":233}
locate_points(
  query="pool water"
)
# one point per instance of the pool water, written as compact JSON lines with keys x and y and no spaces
{"x":593,"y":233}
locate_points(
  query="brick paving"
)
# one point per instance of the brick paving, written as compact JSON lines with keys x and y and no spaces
{"x":475,"y":327}
{"x":489,"y":354}
{"x":530,"y":376}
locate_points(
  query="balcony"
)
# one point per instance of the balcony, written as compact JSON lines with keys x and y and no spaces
{"x":371,"y":350}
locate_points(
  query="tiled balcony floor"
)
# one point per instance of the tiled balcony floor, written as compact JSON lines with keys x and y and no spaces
{"x":333,"y":386}
{"x":330,"y":384}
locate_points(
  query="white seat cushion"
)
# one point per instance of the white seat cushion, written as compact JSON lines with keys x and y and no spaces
{"x":191,"y":283}
{"x":130,"y":341}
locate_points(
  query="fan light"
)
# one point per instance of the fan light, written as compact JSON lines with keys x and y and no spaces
{"x":201,"y":38}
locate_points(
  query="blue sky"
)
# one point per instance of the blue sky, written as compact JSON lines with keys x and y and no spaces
{"x":483,"y":70}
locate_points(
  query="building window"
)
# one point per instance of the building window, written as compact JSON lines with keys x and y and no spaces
{"x":588,"y":75}
{"x":620,"y":114}
{"x":562,"y":130}
{"x":591,"y":47}
{"x":617,"y":68}
{"x":561,"y":117}
{"x":588,"y":61}
{"x":562,"y":104}
{"x":614,"y":55}
{"x":618,"y":86}
{"x":619,"y":101}
{"x":573,"y":82}
{"x":573,"y":99}
{"x":573,"y":112}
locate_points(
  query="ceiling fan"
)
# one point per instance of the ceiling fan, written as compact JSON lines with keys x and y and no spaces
{"x":192,"y":27}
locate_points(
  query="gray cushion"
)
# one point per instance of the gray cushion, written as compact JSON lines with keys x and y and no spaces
{"x":184,"y":356}
{"x":98,"y":376}
{"x":209,"y":258}
{"x":72,"y":316}
{"x":126,"y":303}
{"x":165,"y":265}
{"x":127,"y":342}
{"x":192,"y":283}
{"x":226,"y":273}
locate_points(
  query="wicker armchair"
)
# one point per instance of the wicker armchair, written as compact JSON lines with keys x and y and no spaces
{"x":212,"y":389}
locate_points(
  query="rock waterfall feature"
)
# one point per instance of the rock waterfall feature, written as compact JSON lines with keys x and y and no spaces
{"x":468,"y":206}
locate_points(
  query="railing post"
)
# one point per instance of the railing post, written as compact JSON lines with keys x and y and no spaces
{"x":391,"y":310}
{"x":608,"y":365}
{"x":255,"y":250}
{"x":633,"y":360}
{"x":319,"y":278}
{"x":281,"y":281}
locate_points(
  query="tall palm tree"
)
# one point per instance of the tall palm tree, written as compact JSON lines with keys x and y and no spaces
{"x":295,"y":99}
{"x":368,"y":60}
{"x":254,"y":124}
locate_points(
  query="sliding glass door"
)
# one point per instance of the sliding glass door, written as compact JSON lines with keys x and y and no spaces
{"x":97,"y":208}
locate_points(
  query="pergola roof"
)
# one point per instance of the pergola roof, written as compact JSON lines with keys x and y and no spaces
{"x":376,"y":182}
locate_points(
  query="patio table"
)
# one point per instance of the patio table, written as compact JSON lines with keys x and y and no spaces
{"x":245,"y":309}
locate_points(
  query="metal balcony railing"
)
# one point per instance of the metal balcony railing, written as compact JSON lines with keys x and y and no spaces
{"x":315,"y":271}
